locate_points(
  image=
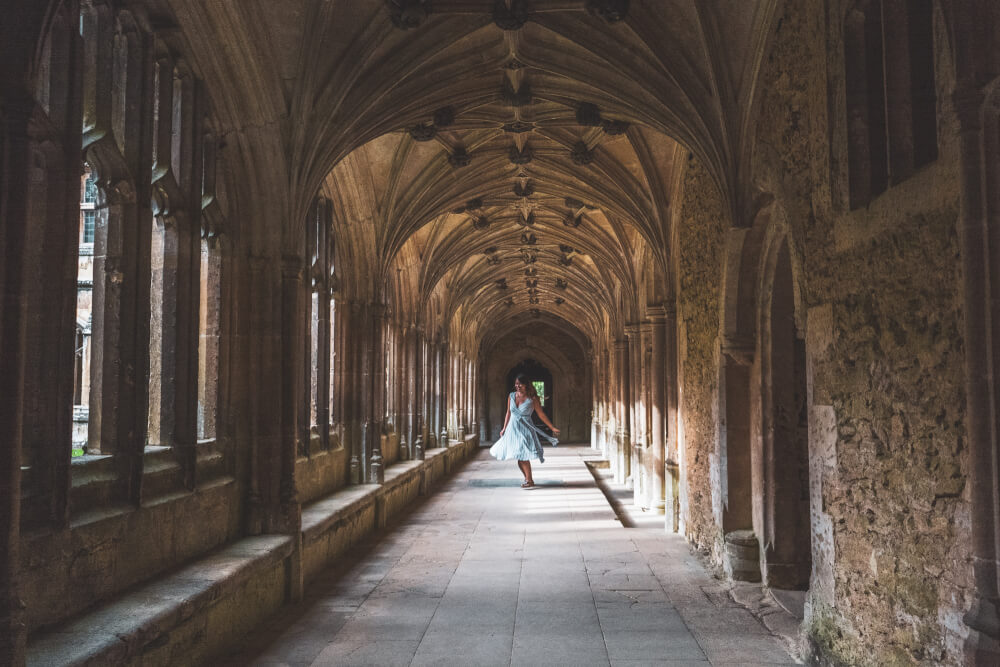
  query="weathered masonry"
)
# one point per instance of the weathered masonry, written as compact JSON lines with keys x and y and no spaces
{"x":269,"y":269}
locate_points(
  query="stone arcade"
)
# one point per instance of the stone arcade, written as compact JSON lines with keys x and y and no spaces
{"x":749,"y":248}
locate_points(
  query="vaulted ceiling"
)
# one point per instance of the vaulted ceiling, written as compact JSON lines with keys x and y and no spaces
{"x":486,"y":159}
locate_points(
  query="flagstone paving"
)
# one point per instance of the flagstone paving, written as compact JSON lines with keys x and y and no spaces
{"x":486,"y":573}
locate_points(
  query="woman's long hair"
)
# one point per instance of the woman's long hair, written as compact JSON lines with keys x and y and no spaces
{"x":529,"y":388}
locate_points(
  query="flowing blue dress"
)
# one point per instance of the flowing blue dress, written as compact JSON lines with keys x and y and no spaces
{"x":520,"y":440}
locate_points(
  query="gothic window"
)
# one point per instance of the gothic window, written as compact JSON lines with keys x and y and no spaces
{"x":321,"y":357}
{"x":210,"y":291}
{"x":922,"y":82}
{"x":866,"y":130}
{"x":891,"y":95}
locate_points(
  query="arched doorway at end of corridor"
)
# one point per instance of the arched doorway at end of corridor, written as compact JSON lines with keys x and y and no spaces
{"x":541,"y":377}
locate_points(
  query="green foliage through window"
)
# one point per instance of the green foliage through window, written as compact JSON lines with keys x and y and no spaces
{"x":540,"y":388}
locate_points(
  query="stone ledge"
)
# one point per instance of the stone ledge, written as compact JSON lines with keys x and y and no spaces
{"x":121,"y":631}
{"x":198,"y":611}
{"x":336,"y":523}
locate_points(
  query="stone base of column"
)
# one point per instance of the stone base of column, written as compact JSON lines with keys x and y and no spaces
{"x":982,"y":646}
{"x":672,"y":500}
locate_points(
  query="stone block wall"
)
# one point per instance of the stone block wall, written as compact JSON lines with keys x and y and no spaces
{"x":880,"y":294}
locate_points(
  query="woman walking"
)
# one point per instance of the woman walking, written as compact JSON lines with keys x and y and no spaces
{"x":519,"y":436}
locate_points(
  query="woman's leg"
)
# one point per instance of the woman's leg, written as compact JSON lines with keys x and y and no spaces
{"x":525,"y":467}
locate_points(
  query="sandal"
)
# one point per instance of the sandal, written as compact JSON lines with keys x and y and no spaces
{"x":528,"y":485}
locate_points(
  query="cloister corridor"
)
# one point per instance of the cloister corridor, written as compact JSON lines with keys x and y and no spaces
{"x":274,"y":274}
{"x":485,"y":573}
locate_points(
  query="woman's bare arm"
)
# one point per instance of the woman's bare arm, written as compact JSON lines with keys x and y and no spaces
{"x":506,"y":420}
{"x":545,"y":418}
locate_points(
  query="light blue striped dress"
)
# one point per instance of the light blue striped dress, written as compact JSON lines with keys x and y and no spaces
{"x":520,"y":440}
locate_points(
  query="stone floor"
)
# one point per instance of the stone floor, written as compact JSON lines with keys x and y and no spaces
{"x":486,"y":573}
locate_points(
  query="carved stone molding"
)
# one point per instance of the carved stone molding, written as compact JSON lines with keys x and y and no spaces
{"x":525,"y":190}
{"x":611,"y":11}
{"x":739,"y":350}
{"x":580,"y":154}
{"x":459,"y":157}
{"x":408,"y":14}
{"x":588,"y":115}
{"x":510,"y":18}
{"x":614,"y":127}
{"x":515,"y":98}
{"x":444,"y":117}
{"x":523,"y":156}
{"x":423,"y":132}
{"x":518,"y":127}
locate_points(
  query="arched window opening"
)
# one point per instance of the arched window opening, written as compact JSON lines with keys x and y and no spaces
{"x":866,"y":122}
{"x":788,"y":548}
{"x":922,"y":81}
{"x":891,"y":94}
{"x":321,"y":357}
{"x":84,"y":311}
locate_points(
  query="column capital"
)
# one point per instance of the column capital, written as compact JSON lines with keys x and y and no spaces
{"x":631,"y":329}
{"x":657,"y":314}
{"x":739,"y":349}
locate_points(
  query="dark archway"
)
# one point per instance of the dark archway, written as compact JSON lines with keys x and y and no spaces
{"x":788,"y":555}
{"x":536,"y":372}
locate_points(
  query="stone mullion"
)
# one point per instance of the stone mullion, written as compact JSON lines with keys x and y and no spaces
{"x":121,"y":279}
{"x":322,"y":273}
{"x":187,"y":308}
{"x":336,"y":367}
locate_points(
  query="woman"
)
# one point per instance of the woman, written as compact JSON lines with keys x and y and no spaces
{"x":519,"y":437}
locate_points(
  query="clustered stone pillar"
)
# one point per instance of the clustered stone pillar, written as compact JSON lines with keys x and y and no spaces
{"x":444,"y":391}
{"x":634,"y":415}
{"x":672,"y":467}
{"x":623,"y":435}
{"x":658,"y":405}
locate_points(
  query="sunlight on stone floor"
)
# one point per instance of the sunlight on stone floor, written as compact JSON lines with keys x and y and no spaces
{"x":486,"y":573}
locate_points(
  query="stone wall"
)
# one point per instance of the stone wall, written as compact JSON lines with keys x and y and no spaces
{"x":701,"y":227}
{"x":883,"y":317}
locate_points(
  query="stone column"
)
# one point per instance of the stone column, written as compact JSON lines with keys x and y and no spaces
{"x":15,"y":112}
{"x":623,"y":474}
{"x":352,"y":363}
{"x":976,"y":225}
{"x":658,"y":407}
{"x":443,"y":389}
{"x":672,"y":476}
{"x":635,"y":413}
